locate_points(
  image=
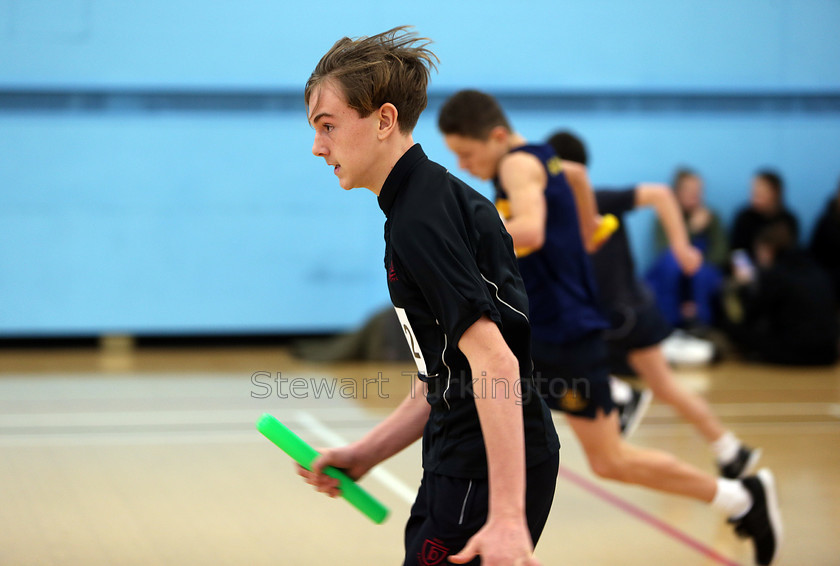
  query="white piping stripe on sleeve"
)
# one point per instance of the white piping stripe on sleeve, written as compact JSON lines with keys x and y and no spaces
{"x":446,"y":341}
{"x":502,"y":301}
{"x":448,"y":371}
{"x":464,"y":504}
{"x":514,"y":310}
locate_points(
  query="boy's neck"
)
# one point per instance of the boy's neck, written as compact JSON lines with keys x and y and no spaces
{"x":398,"y":146}
{"x":516,"y":140}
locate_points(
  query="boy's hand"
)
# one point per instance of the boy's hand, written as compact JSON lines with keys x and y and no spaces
{"x":499,"y":543}
{"x":348,"y":458}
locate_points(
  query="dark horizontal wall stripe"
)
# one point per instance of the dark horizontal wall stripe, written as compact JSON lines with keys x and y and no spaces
{"x":268,"y":101}
{"x":149,"y":101}
{"x":616,"y":102}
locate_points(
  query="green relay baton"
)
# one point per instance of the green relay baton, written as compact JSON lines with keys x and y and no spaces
{"x":304,"y":454}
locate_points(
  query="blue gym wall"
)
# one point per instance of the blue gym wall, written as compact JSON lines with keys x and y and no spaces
{"x":155,"y":174}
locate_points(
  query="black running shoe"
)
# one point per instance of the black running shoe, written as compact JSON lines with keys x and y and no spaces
{"x":763,"y":522}
{"x":630,"y":414}
{"x":744,"y":462}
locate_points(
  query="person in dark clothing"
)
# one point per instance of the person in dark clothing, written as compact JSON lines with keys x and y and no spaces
{"x":825,"y":241}
{"x":766,"y":207}
{"x":490,"y":461}
{"x":788,"y":304}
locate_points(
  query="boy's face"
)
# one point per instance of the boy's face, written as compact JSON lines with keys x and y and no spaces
{"x":346,"y":141}
{"x":479,"y":157}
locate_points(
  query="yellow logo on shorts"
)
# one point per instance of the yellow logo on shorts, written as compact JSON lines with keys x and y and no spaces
{"x":573,"y":402}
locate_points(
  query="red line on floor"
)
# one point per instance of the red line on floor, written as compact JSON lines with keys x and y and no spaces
{"x":644,"y":516}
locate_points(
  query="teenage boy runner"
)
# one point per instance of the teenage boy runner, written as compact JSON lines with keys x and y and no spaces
{"x":545,"y":196}
{"x":637,"y":328}
{"x":490,"y":452}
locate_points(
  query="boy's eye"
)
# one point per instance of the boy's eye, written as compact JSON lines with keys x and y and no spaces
{"x":328,"y":127}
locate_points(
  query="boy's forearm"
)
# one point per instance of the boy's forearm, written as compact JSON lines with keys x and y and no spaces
{"x":587,"y":208}
{"x":526,"y":232}
{"x":501,"y":424}
{"x":495,"y":372}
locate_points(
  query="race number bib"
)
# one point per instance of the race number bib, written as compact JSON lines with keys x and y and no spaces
{"x":412,"y":341}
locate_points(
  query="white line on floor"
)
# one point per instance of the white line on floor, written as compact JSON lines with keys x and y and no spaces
{"x":119,"y":439}
{"x":67,"y":419}
{"x":126,"y":418}
{"x":331,"y":438}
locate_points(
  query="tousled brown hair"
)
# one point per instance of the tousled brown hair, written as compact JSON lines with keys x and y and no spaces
{"x":392,"y":66}
{"x":471,"y":114}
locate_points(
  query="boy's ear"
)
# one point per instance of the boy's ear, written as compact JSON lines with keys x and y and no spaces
{"x":498,"y":134}
{"x":387,"y":120}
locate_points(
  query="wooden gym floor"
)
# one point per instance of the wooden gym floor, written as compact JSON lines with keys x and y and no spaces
{"x":150,"y":457}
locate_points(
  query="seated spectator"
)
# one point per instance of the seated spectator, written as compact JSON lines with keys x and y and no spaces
{"x":689,"y":301}
{"x":787,"y":313}
{"x":766,"y":207}
{"x":825,"y":241}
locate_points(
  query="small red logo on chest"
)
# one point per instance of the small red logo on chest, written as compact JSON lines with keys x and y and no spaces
{"x":392,"y":273}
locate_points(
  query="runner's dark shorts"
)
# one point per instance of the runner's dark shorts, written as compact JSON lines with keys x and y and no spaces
{"x":574,"y":377}
{"x":634,"y":328}
{"x":448,"y":511}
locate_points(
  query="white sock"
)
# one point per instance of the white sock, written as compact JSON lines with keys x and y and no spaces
{"x":726,"y":447}
{"x":620,"y":391}
{"x":732,"y":498}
